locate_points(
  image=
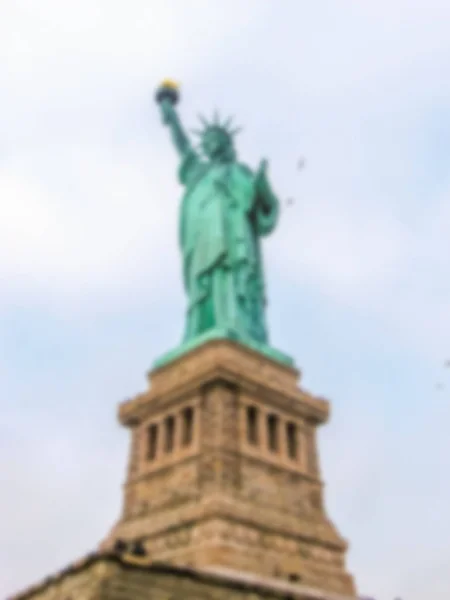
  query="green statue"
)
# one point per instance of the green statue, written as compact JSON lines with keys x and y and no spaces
{"x":225,"y":211}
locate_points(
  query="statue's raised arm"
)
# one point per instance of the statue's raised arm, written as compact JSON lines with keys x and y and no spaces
{"x":167,"y":97}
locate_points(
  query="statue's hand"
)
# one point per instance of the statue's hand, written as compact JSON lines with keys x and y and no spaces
{"x":262,"y":186}
{"x":167,"y":111}
{"x":261,"y":174}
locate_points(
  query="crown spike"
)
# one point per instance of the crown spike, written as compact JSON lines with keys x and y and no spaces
{"x":203,"y":121}
{"x":216,"y":118}
{"x":236,"y":131}
{"x":228,"y":123}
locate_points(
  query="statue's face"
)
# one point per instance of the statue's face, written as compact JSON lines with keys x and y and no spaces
{"x":216,"y":144}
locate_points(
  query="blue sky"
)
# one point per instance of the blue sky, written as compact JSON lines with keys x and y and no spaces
{"x":357,"y":271}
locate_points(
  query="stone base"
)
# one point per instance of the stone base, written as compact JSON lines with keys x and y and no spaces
{"x":223,"y":548}
{"x":112,"y":577}
{"x":222,"y":334}
{"x":223,"y":500}
{"x":221,"y":540}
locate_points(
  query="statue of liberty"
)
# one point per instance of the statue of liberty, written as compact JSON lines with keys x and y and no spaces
{"x":225,"y":210}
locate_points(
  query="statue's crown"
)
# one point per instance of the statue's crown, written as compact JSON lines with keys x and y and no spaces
{"x":216,"y":125}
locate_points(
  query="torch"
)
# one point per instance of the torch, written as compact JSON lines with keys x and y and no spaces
{"x":167,"y":96}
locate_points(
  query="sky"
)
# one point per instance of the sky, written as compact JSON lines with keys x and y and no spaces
{"x":357,"y":270}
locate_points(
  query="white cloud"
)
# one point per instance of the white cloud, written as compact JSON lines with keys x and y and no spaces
{"x":117,"y":220}
{"x":44,"y":531}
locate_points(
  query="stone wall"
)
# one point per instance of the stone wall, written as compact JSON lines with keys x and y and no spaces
{"x":276,"y":488}
{"x":112,"y":578}
{"x":167,"y":487}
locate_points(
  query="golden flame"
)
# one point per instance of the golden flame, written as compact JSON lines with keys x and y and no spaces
{"x":169,"y":83}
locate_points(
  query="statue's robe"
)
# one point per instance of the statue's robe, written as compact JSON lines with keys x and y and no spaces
{"x":223,"y":216}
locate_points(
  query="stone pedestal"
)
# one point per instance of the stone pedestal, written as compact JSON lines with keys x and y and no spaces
{"x":224,"y":473}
